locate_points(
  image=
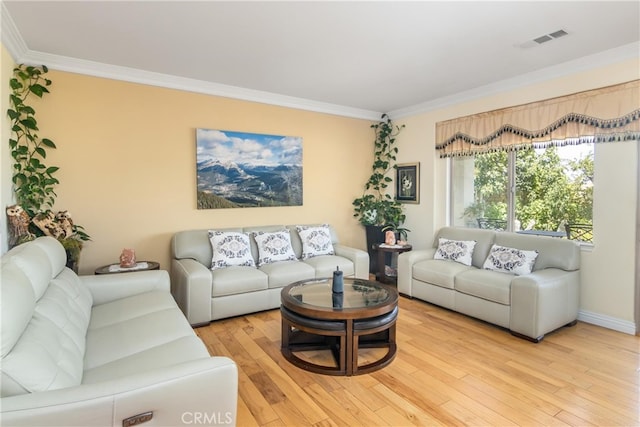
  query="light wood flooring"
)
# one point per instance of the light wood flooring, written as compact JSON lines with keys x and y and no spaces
{"x":450,"y":370}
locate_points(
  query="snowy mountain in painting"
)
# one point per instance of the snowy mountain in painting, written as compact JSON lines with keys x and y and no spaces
{"x":246,"y":185}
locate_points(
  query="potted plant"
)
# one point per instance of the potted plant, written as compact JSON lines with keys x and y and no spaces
{"x":33,"y":181}
{"x":376,"y":209}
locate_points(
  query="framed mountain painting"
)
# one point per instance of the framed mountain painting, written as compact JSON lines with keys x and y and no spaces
{"x":241,"y":170}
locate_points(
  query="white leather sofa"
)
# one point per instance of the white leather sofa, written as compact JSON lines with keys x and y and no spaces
{"x":204,"y":294}
{"x":529,"y":305}
{"x":108,"y":350}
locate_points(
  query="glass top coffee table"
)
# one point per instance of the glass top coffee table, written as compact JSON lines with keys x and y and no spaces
{"x":315,"y":318}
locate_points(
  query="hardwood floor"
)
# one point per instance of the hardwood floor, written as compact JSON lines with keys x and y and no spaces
{"x":450,"y":370}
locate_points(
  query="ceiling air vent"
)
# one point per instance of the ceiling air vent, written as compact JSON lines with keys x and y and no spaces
{"x":550,"y":36}
{"x":558,"y":34}
{"x":543,"y":39}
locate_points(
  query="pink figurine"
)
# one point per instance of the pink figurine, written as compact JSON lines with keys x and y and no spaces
{"x":128,"y":258}
{"x":390,"y":238}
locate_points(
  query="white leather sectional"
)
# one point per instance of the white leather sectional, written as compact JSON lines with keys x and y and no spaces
{"x":528,"y":304}
{"x":204,"y":294}
{"x":101,"y":350}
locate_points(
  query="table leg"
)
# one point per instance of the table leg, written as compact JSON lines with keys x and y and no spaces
{"x":350,"y":356}
{"x":286,"y":330}
{"x":381,"y":264}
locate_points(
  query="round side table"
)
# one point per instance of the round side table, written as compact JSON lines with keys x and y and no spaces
{"x":385,"y":249}
{"x":114,"y":268}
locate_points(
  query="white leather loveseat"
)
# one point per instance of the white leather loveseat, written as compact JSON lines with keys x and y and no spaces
{"x":206,"y":290}
{"x":529,"y":304}
{"x":108,"y":350}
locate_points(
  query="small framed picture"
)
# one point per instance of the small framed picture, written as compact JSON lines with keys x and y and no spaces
{"x":408,"y":183}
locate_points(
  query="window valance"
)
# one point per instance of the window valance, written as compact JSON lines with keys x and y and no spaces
{"x":601,"y":115}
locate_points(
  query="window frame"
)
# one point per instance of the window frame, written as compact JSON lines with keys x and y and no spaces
{"x":511,"y":192}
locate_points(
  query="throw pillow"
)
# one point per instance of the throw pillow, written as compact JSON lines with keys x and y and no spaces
{"x":315,"y":241}
{"x":274,"y":246}
{"x":510,"y":260}
{"x":455,"y":250}
{"x":230,"y":248}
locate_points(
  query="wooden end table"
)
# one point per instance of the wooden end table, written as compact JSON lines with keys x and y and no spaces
{"x":315,"y":318}
{"x":384,"y":249}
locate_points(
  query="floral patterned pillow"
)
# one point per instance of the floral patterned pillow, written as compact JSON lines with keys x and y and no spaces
{"x":274,"y":246}
{"x":510,"y":260}
{"x":315,"y":240}
{"x":455,"y":250}
{"x":230,"y":248}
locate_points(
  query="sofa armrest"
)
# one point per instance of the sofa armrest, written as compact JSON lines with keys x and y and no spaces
{"x":191,"y":288}
{"x":543,"y":301}
{"x":359,"y":258}
{"x":405,"y":267}
{"x":109,"y":287}
{"x":206,"y":387}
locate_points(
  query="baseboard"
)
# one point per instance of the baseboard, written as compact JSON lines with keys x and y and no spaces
{"x":608,"y":322}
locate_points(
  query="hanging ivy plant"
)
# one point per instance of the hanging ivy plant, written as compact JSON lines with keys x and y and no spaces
{"x":33,"y":180}
{"x":376,"y":206}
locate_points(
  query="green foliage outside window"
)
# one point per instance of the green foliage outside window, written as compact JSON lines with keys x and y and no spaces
{"x":549,"y":190}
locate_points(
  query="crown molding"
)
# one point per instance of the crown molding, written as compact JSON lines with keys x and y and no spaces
{"x":11,"y":38}
{"x":608,"y":57}
{"x":13,"y":41}
{"x":115,"y":72}
{"x":18,"y":49}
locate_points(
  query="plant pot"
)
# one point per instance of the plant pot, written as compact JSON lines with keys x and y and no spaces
{"x":73,"y":261}
{"x":73,"y":248}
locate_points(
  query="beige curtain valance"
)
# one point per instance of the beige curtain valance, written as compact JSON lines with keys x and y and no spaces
{"x":601,"y":115}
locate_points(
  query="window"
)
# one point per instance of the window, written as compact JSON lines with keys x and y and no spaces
{"x":547,"y":191}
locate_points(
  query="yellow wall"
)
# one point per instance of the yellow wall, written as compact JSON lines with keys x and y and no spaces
{"x":127,"y":163}
{"x":607,"y":294}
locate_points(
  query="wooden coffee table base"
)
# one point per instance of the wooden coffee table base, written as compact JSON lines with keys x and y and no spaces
{"x":344,"y":337}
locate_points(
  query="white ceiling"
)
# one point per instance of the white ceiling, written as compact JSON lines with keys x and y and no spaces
{"x":354,"y":58}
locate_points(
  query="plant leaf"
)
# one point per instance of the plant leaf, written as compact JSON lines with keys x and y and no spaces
{"x":49,"y":143}
{"x":29,"y":123}
{"x":38,"y":89}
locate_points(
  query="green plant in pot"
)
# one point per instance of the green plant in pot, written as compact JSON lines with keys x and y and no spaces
{"x":376,"y":209}
{"x":33,"y":181}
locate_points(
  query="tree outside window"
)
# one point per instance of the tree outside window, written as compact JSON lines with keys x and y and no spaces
{"x":551,"y":187}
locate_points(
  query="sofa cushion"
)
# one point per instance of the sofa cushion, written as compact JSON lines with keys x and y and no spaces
{"x":483,"y":238}
{"x":552,"y":252}
{"x":438,"y":272}
{"x":485,"y":284}
{"x":124,"y":335}
{"x":16,"y":315}
{"x":325,"y":265}
{"x":180,"y":350}
{"x":274,"y":246}
{"x":194,"y":244}
{"x":315,"y":241}
{"x":50,"y":352}
{"x":131,"y":307}
{"x":510,"y":260}
{"x":284,"y":273}
{"x":229,"y":249}
{"x":296,"y":241}
{"x":237,"y":280}
{"x":25,"y":257}
{"x":455,"y":250}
